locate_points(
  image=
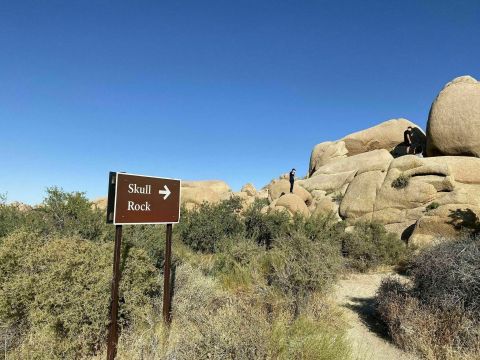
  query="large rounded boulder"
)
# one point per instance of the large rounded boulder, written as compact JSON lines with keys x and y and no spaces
{"x":293,"y":203}
{"x":194,"y":193}
{"x":388,"y":135}
{"x":454,"y":120}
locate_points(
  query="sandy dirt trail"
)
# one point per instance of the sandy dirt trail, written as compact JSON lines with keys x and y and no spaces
{"x":355,"y":294}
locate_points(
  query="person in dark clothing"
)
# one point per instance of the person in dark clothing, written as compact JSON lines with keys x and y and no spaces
{"x":407,"y":139}
{"x":292,"y":180}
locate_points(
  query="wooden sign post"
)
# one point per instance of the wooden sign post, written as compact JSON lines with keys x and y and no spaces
{"x":133,"y":200}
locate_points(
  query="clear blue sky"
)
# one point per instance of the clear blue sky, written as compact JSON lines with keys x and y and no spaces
{"x":232,"y":90}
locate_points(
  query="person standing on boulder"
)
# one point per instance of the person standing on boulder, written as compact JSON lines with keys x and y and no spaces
{"x":407,"y":139}
{"x":292,"y":180}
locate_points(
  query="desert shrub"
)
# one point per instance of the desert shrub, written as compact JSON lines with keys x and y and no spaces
{"x":370,"y":245}
{"x":150,"y":238}
{"x":58,"y":292}
{"x":238,"y":264}
{"x":12,"y":217}
{"x":260,"y":202}
{"x":321,"y":227}
{"x":432,"y":206}
{"x":438,"y":315}
{"x":300,"y":266}
{"x":401,"y":182}
{"x":204,"y":227}
{"x":264,"y":227}
{"x":447,"y":275}
{"x":431,"y":332}
{"x":211,"y":323}
{"x":69,"y":214}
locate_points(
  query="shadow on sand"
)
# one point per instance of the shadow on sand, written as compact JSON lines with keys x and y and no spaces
{"x":365,"y":308}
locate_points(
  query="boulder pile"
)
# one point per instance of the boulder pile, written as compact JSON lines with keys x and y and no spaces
{"x":362,"y":177}
{"x":367,"y":176}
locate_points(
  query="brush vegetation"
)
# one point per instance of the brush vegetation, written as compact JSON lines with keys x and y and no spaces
{"x":437,"y":315}
{"x":248,"y":284}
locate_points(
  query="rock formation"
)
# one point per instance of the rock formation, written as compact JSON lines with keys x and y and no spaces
{"x":454,"y":119}
{"x":362,"y":177}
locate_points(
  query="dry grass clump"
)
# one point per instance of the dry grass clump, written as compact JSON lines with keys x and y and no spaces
{"x":212,"y":323}
{"x":300,"y":267}
{"x":319,"y":333}
{"x":438,"y":315}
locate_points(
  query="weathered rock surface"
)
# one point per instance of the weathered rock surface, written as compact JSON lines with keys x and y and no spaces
{"x":218,"y":186}
{"x":464,"y":169}
{"x":360,"y":163}
{"x":292,"y":203}
{"x":325,"y":153}
{"x":249,"y":189}
{"x":100,"y":203}
{"x":432,"y":183}
{"x":327,"y":182}
{"x":386,"y":135}
{"x":326,"y":205}
{"x":445,"y":222}
{"x":194,"y":193}
{"x":454,"y":119}
{"x":361,"y":194}
{"x":365,"y":175}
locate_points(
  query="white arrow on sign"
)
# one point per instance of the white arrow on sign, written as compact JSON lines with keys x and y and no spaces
{"x":165,"y":192}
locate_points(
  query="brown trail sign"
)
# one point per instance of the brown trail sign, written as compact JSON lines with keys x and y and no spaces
{"x":145,"y":200}
{"x":132,"y":200}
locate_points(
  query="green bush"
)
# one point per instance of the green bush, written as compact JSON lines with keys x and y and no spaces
{"x":12,"y":217}
{"x":204,"y":227}
{"x":57,"y":292}
{"x":69,"y":214}
{"x":401,"y":182}
{"x":150,"y":238}
{"x":370,"y":245}
{"x":264,"y":227}
{"x":321,"y":227}
{"x":438,"y":315}
{"x":238,"y":263}
{"x":432,"y":206}
{"x":61,"y":213}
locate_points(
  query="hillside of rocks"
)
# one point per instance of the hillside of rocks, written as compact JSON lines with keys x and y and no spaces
{"x":367,"y":175}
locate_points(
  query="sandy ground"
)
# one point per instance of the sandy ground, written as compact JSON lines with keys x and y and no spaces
{"x":355,"y":294}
